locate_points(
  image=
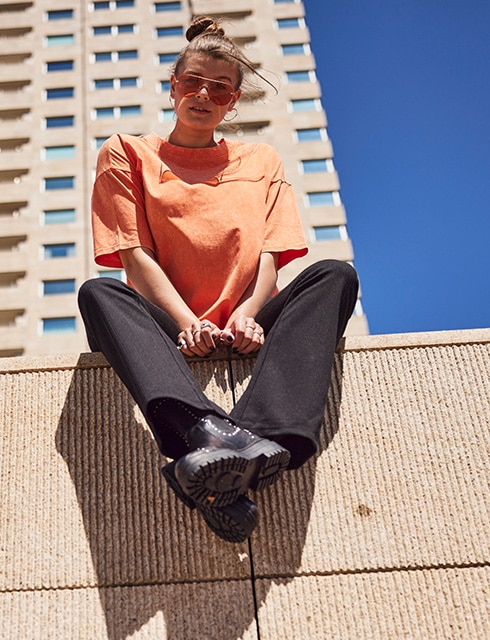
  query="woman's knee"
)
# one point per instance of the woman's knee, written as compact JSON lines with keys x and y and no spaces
{"x":337,"y":270}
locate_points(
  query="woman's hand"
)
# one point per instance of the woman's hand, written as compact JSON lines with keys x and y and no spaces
{"x":198,"y":339}
{"x":248,"y":335}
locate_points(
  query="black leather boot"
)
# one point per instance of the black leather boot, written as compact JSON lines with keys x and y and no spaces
{"x":233,"y":523}
{"x":225,"y":461}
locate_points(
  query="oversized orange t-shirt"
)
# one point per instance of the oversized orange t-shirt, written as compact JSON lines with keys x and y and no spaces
{"x":207,"y":214}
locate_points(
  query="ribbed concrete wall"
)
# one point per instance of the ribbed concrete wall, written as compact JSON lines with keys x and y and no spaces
{"x":385,"y":534}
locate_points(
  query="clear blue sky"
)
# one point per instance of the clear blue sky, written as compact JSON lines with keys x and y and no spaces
{"x":406,"y":87}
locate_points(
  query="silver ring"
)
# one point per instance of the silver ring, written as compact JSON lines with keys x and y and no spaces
{"x":196,"y":331}
{"x":205,"y":325}
{"x":259,"y":333}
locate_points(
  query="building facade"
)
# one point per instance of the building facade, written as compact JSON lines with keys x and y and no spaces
{"x":74,"y":72}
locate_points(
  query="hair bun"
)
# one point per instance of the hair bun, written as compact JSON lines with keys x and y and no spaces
{"x":203,"y":26}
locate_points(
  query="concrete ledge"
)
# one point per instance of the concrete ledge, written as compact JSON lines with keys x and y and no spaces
{"x":384,"y":534}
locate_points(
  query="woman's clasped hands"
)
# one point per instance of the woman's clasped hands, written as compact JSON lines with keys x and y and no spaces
{"x":244,"y":335}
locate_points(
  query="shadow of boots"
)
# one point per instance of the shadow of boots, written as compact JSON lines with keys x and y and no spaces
{"x":147,"y":548}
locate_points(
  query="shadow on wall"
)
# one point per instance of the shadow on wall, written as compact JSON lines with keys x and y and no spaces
{"x":156,"y":563}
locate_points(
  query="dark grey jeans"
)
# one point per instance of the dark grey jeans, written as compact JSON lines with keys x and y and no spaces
{"x":285,"y":399}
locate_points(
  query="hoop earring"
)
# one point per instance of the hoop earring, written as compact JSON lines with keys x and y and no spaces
{"x":233,"y":116}
{"x":171,"y":102}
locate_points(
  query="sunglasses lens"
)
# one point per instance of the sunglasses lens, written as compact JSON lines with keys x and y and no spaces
{"x":219,"y":92}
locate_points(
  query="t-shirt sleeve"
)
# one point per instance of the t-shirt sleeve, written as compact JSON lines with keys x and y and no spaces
{"x":284,"y":232}
{"x":118,"y":205}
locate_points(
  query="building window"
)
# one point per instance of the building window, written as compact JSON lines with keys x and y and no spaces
{"x":60,"y":65}
{"x":114,"y":30}
{"x":102,"y":31}
{"x":58,"y":216}
{"x":323,"y":198}
{"x":295,"y":49}
{"x":61,"y":14}
{"x":56,"y":122}
{"x":59,"y":325}
{"x":164,"y":32}
{"x":103,"y":56}
{"x":62,"y":182}
{"x":299,"y":76}
{"x":60,"y":41}
{"x":66,"y":250}
{"x":60,"y":92}
{"x":306,"y":104}
{"x":117,"y":274}
{"x":309,"y":135}
{"x":323,"y":234}
{"x":323,"y":165}
{"x":164,"y":85}
{"x":288,"y":23}
{"x":57,"y":287}
{"x":57,"y":153}
{"x":118,"y":112}
{"x":115,"y":83}
{"x":167,"y":6}
{"x":167,"y":58}
{"x":130,"y":54}
{"x":167,"y":115}
{"x":117,"y":4}
{"x":99,"y":142}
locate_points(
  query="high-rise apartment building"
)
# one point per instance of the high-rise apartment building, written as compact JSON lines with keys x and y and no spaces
{"x":72,"y":73}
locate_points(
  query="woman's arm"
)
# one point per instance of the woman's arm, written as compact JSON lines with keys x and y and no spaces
{"x":248,"y":335}
{"x":152,"y":283}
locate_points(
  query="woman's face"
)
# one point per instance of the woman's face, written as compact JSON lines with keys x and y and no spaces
{"x":196,"y":95}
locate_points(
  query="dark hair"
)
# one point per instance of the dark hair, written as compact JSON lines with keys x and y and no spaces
{"x":207,"y":36}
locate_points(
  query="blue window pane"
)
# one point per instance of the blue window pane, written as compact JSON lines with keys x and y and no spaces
{"x":104,"y":112}
{"x":101,"y":5}
{"x":102,"y":31}
{"x":320,"y":198}
{"x":284,"y":1}
{"x":61,"y":92}
{"x":314,"y":166}
{"x":298,"y":76}
{"x":131,"y":54}
{"x":292,"y":49}
{"x":99,"y":142}
{"x":62,"y":14}
{"x":56,"y":287}
{"x":59,"y":216}
{"x":167,"y":6}
{"x":288,"y":23}
{"x":165,"y":85}
{"x":59,"y":325}
{"x":132,"y":110}
{"x":327,"y":233}
{"x":124,"y":4}
{"x":103,"y":56}
{"x":66,"y":250}
{"x":63,"y":182}
{"x":60,"y":121}
{"x":163,"y":32}
{"x":164,"y":58}
{"x":128,"y":82}
{"x":117,"y":274}
{"x":308,"y":104}
{"x":60,"y":65}
{"x":125,"y":28}
{"x":55,"y":153}
{"x":60,"y":41}
{"x":168,"y":115}
{"x":106,"y":83}
{"x":306,"y":135}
